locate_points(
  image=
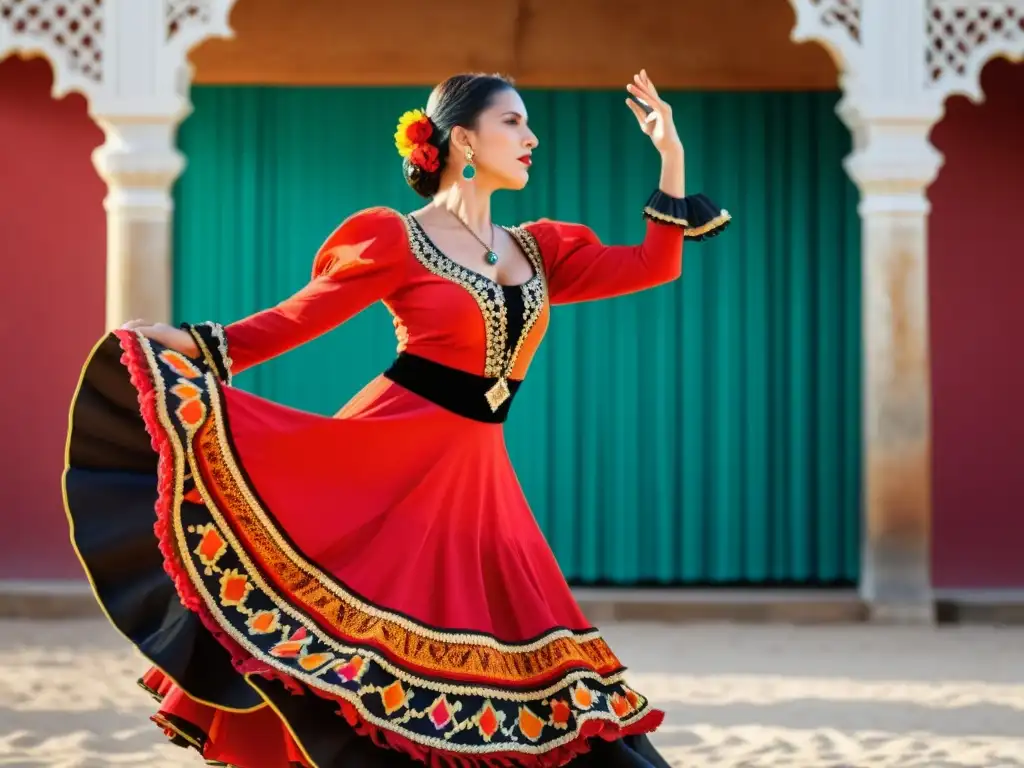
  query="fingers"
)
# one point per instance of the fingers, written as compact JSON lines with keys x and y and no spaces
{"x":648,"y":84}
{"x":640,"y":81}
{"x":641,"y":93}
{"x":131,"y":325}
{"x":658,"y":111}
{"x":638,"y":113}
{"x":643,"y":88}
{"x":652,"y":107}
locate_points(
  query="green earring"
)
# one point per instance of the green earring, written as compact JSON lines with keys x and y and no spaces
{"x":469,"y":170}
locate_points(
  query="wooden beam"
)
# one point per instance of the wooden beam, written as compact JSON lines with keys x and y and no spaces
{"x":687,"y":44}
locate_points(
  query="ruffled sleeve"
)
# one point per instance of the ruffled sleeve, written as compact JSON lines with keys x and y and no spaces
{"x":579,"y":267}
{"x":696,"y":215}
{"x":363,"y":261}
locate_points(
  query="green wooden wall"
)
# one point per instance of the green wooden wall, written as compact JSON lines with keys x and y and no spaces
{"x":700,"y":433}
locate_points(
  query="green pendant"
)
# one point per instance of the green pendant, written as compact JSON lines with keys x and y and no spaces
{"x":492,"y":257}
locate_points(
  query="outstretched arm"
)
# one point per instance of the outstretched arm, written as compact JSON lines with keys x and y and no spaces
{"x":579,"y":267}
{"x":361,"y":262}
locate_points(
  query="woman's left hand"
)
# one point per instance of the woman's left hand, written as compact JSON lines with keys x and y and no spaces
{"x":658,"y":125}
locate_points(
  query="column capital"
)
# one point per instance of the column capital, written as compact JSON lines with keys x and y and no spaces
{"x":893,"y":162}
{"x":139,"y":162}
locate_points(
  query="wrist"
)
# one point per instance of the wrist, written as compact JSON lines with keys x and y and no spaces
{"x":190,"y":348}
{"x":673,"y":173}
{"x":673,"y":151}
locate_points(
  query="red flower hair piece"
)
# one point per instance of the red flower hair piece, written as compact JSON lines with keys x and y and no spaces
{"x":412,"y":138}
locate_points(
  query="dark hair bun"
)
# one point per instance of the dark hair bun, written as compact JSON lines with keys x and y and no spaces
{"x":459,"y":100}
{"x":423,"y":183}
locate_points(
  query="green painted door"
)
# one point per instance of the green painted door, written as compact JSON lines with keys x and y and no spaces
{"x":705,"y":432}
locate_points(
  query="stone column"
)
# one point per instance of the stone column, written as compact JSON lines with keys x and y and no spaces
{"x":893,"y":170}
{"x":892,"y":164}
{"x":139,"y":110}
{"x":898,"y":61}
{"x":879,"y":48}
{"x":140,"y":164}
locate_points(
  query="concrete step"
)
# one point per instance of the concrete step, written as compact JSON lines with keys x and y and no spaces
{"x":74,"y":599}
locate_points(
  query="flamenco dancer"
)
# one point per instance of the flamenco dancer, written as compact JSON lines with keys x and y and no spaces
{"x":371,"y":589}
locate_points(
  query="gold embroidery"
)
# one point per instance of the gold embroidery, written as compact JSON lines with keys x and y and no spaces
{"x":211,"y":547}
{"x":491,"y":303}
{"x":171,"y":730}
{"x":489,"y":719}
{"x":203,"y":349}
{"x":311,"y":572}
{"x":222,"y":345}
{"x":287,"y":609}
{"x":498,"y":394}
{"x":296,"y":641}
{"x":499,"y":360}
{"x":404,"y":643}
{"x":534,"y":291}
{"x":180,"y":364}
{"x":689,"y":231}
{"x":264,"y":622}
{"x":217,"y":331}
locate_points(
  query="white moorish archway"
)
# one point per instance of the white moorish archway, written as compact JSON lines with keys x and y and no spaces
{"x":129,"y":59}
{"x":898,"y":61}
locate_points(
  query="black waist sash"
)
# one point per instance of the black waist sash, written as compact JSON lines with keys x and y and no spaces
{"x":454,"y":390}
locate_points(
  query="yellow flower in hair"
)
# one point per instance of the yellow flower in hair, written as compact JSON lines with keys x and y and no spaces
{"x":414,"y":128}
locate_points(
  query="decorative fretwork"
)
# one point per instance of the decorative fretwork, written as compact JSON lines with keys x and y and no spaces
{"x":844,"y":13}
{"x":964,"y":34}
{"x":72,"y":29}
{"x":183,"y":12}
{"x":836,"y":24}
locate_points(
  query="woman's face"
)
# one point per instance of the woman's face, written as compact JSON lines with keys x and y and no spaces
{"x":503,"y":142}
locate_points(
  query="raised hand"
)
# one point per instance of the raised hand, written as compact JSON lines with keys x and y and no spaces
{"x":658,"y":125}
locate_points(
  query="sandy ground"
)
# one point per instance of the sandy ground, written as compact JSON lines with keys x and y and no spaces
{"x":759,"y":696}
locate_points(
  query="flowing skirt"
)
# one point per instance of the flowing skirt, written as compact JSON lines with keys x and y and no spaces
{"x":365,"y":590}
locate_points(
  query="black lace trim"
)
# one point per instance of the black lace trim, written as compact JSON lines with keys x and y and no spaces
{"x":697,"y":215}
{"x":213,"y":346}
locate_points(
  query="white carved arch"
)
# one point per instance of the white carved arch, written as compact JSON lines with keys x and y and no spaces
{"x":89,"y":42}
{"x":69,"y":35}
{"x":129,"y":58}
{"x":835,"y":24}
{"x":963,"y":36}
{"x":190,"y":22}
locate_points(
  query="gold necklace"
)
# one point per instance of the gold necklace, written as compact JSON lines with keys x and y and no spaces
{"x":490,"y":256}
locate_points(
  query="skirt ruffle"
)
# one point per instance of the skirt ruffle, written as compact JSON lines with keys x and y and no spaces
{"x":264,"y":657}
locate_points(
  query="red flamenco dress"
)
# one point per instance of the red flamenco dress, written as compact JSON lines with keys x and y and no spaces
{"x":370,"y":589}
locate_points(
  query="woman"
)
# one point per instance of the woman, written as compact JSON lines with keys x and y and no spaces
{"x":371,"y":589}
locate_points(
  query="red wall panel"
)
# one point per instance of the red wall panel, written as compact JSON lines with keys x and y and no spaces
{"x":976,"y":273}
{"x":54,"y":247}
